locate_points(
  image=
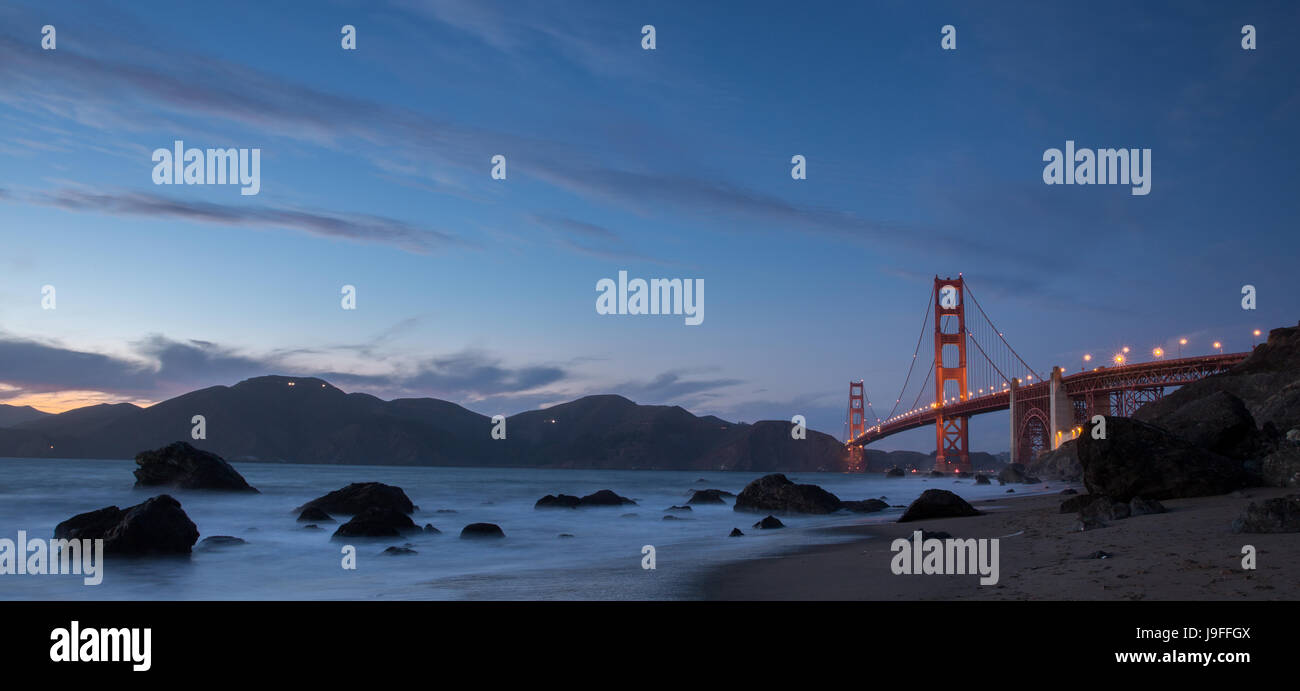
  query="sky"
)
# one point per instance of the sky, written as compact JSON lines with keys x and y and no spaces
{"x":375,"y":172}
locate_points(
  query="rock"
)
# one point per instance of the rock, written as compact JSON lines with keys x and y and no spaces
{"x":215,"y":541}
{"x":964,"y":475}
{"x":428,"y":528}
{"x":154,"y":526}
{"x":1085,"y":524}
{"x":671,"y":517}
{"x":314,"y":514}
{"x":1061,"y":463}
{"x":769,"y":522}
{"x":359,"y":496}
{"x":604,"y":498}
{"x":1014,"y":472}
{"x":1277,"y":515}
{"x":1144,"y":507}
{"x":982,"y":479}
{"x":937,"y":503}
{"x":775,"y":493}
{"x":678,"y":508}
{"x":1104,"y":509}
{"x":1293,"y":436}
{"x":1137,"y":458}
{"x":311,"y":526}
{"x":708,"y":496}
{"x":399,"y":551}
{"x":557,"y":501}
{"x":735,"y":532}
{"x":565,"y":535}
{"x":1068,"y":492}
{"x":895,"y":472}
{"x":477,"y":531}
{"x":447,"y":511}
{"x":182,"y":466}
{"x":629,"y":515}
{"x":1219,"y":422}
{"x":1099,"y":554}
{"x":1280,"y":467}
{"x":1010,"y":491}
{"x":1076,"y":503}
{"x":937,"y":473}
{"x":377,"y":522}
{"x":865,"y":506}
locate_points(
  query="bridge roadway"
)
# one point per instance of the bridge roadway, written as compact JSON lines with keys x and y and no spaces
{"x":1090,"y":386}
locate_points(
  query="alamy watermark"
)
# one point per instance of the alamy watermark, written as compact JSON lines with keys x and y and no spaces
{"x":1099,"y":167}
{"x":950,"y":556}
{"x":682,"y":296}
{"x":181,"y":166}
{"x":53,"y":557}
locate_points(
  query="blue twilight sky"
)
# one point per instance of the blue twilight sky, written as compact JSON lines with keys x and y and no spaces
{"x":375,"y":172}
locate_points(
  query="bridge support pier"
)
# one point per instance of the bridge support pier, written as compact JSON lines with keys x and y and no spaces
{"x":1061,"y":411}
{"x":1015,"y":421}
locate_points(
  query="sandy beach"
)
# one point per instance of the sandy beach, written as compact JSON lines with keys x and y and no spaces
{"x":1188,"y":553}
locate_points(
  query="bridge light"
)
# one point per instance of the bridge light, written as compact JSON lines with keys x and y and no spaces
{"x":1126,"y":350}
{"x":1219,"y":347}
{"x":1253,"y":335}
{"x":1158,"y":352}
{"x":1119,"y":358}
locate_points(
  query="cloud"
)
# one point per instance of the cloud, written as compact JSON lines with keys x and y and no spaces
{"x":673,"y":387}
{"x":338,"y":226}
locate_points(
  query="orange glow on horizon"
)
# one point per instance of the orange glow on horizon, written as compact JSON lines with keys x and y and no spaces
{"x":56,"y":402}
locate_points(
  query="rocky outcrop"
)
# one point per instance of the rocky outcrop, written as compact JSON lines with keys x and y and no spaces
{"x":776,"y":493}
{"x":217,"y":541}
{"x":709,"y":496}
{"x":937,"y":503}
{"x":156,"y":526}
{"x":769,"y":523}
{"x":313,"y":514}
{"x":182,"y":466}
{"x":982,"y":479}
{"x":895,"y":472}
{"x":865,"y":506}
{"x":735,"y":532}
{"x":1278,"y":515}
{"x":605,"y":497}
{"x":476,"y":531}
{"x":1060,"y":464}
{"x":1219,"y":422}
{"x":1016,"y":473}
{"x":359,"y":496}
{"x":557,"y":501}
{"x":1136,"y":458}
{"x":377,"y":521}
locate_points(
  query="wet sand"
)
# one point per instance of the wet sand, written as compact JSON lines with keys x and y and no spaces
{"x":1188,"y":553}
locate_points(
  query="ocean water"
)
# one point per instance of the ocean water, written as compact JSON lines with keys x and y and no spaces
{"x":283,"y":561}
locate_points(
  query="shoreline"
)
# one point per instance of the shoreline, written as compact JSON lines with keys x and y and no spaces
{"x":1188,"y":553}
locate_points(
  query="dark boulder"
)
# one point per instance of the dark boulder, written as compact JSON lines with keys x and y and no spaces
{"x":1278,"y":515}
{"x":982,"y":479}
{"x":428,"y":528}
{"x":1137,"y":458}
{"x":313,"y":514}
{"x":377,"y":522}
{"x":708,"y":496}
{"x":1076,"y":503}
{"x":937,"y":473}
{"x":154,"y":526}
{"x":359,"y":496}
{"x":775,"y":493}
{"x":865,"y":506}
{"x":604,"y":498}
{"x":1104,"y":509}
{"x":1280,"y":467}
{"x":557,"y":501}
{"x":311,"y":526}
{"x":895,"y":472}
{"x":735,"y":532}
{"x":399,"y":551}
{"x":937,"y":503}
{"x":182,"y":466}
{"x":678,"y":508}
{"x":1219,"y":422}
{"x":1069,"y":492}
{"x":475,"y":531}
{"x":1145,"y":507}
{"x":1014,"y":472}
{"x":1061,"y":463}
{"x":769,"y":522}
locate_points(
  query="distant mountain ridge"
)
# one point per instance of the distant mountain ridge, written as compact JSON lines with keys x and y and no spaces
{"x":307,"y":420}
{"x":11,"y":415}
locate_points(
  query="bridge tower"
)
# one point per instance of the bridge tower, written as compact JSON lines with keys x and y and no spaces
{"x":857,"y":413}
{"x":951,"y":432}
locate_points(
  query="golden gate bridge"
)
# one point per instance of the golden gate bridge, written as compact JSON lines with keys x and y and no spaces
{"x":1045,"y":411}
